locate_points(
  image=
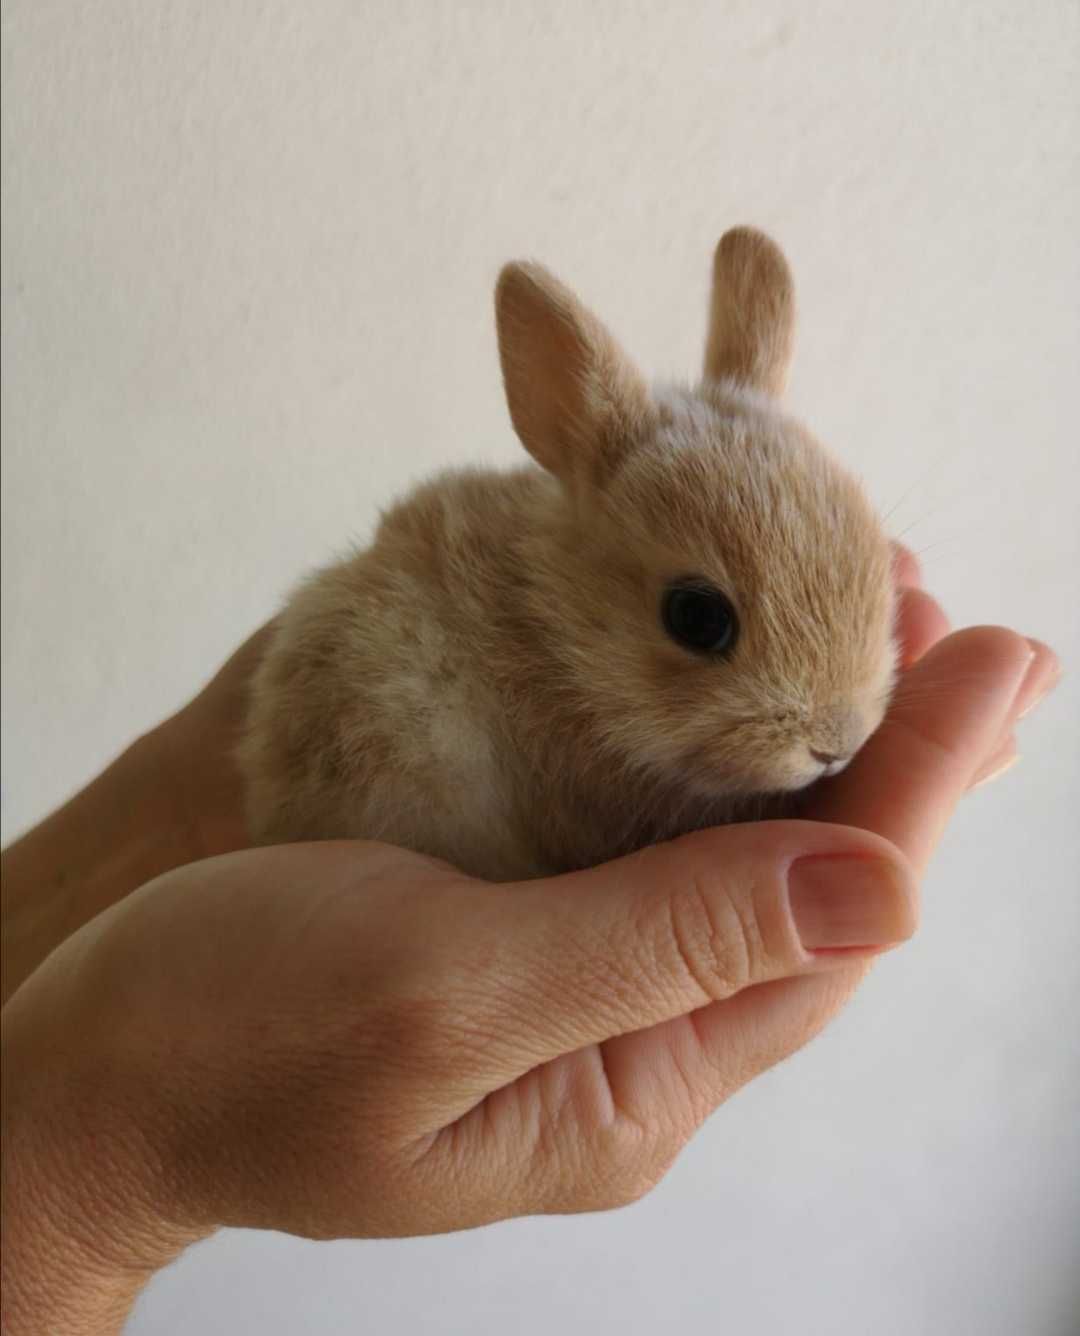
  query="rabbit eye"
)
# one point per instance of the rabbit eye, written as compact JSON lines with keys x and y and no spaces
{"x":699,"y":617}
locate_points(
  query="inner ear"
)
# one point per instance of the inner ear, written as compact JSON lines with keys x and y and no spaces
{"x":751,"y":312}
{"x":576,"y":400}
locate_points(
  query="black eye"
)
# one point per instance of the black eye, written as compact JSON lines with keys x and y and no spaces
{"x":699,"y":617}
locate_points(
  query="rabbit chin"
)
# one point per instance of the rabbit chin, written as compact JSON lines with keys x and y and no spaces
{"x":716,"y":779}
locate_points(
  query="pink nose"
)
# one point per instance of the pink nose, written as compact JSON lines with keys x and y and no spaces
{"x":826,"y":758}
{"x":839,"y":732}
{"x":831,"y":762}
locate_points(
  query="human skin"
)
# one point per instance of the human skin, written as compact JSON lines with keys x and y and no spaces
{"x":345,"y":1039}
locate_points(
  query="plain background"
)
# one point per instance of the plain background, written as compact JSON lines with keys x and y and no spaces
{"x":248,"y":256}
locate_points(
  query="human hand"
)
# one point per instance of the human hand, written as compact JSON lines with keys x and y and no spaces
{"x":346,"y":1039}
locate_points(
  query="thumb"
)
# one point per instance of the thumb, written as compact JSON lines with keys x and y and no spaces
{"x":585,"y":957}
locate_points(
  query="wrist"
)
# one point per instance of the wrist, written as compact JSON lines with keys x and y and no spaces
{"x":84,"y":1222}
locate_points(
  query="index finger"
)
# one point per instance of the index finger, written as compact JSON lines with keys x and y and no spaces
{"x":949,"y":711}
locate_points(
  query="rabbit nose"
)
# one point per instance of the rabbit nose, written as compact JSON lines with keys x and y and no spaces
{"x":840,"y":732}
{"x":833,"y":762}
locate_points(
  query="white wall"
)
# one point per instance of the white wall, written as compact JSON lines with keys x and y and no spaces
{"x":248,"y":252}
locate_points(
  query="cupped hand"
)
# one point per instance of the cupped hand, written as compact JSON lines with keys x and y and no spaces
{"x":345,"y":1039}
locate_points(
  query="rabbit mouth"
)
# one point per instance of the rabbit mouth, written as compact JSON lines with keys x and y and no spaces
{"x":830,"y":763}
{"x":709,"y":776}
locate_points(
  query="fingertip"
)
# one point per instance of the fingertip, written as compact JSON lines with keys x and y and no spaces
{"x":999,"y":763}
{"x":844,"y":903}
{"x":907,"y":570}
{"x":1043,"y":675}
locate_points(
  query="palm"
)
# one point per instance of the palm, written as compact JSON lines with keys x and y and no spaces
{"x":903,"y":786}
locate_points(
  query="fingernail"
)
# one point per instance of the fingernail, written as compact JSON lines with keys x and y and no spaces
{"x":1045,"y":688}
{"x":848,"y":901}
{"x":997,"y":772}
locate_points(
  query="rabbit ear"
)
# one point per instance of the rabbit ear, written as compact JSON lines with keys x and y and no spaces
{"x":752,"y":312}
{"x":576,"y":400}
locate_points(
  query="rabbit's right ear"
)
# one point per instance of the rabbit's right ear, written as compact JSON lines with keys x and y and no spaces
{"x":752,"y":312}
{"x":575,"y":399}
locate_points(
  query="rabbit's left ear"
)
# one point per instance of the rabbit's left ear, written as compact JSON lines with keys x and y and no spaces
{"x":751,"y":314}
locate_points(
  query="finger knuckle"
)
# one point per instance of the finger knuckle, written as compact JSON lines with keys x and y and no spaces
{"x":716,"y":934}
{"x":625,"y":1165}
{"x":581,"y":1163}
{"x":431,"y":1035}
{"x":640,"y":1164}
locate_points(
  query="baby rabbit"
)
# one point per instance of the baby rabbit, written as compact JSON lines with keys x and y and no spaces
{"x":687,"y":606}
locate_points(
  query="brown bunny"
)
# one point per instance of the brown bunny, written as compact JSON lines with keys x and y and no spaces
{"x":688,"y":606}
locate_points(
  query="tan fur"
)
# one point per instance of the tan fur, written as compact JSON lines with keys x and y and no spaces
{"x":491,"y":683}
{"x":752,"y":313}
